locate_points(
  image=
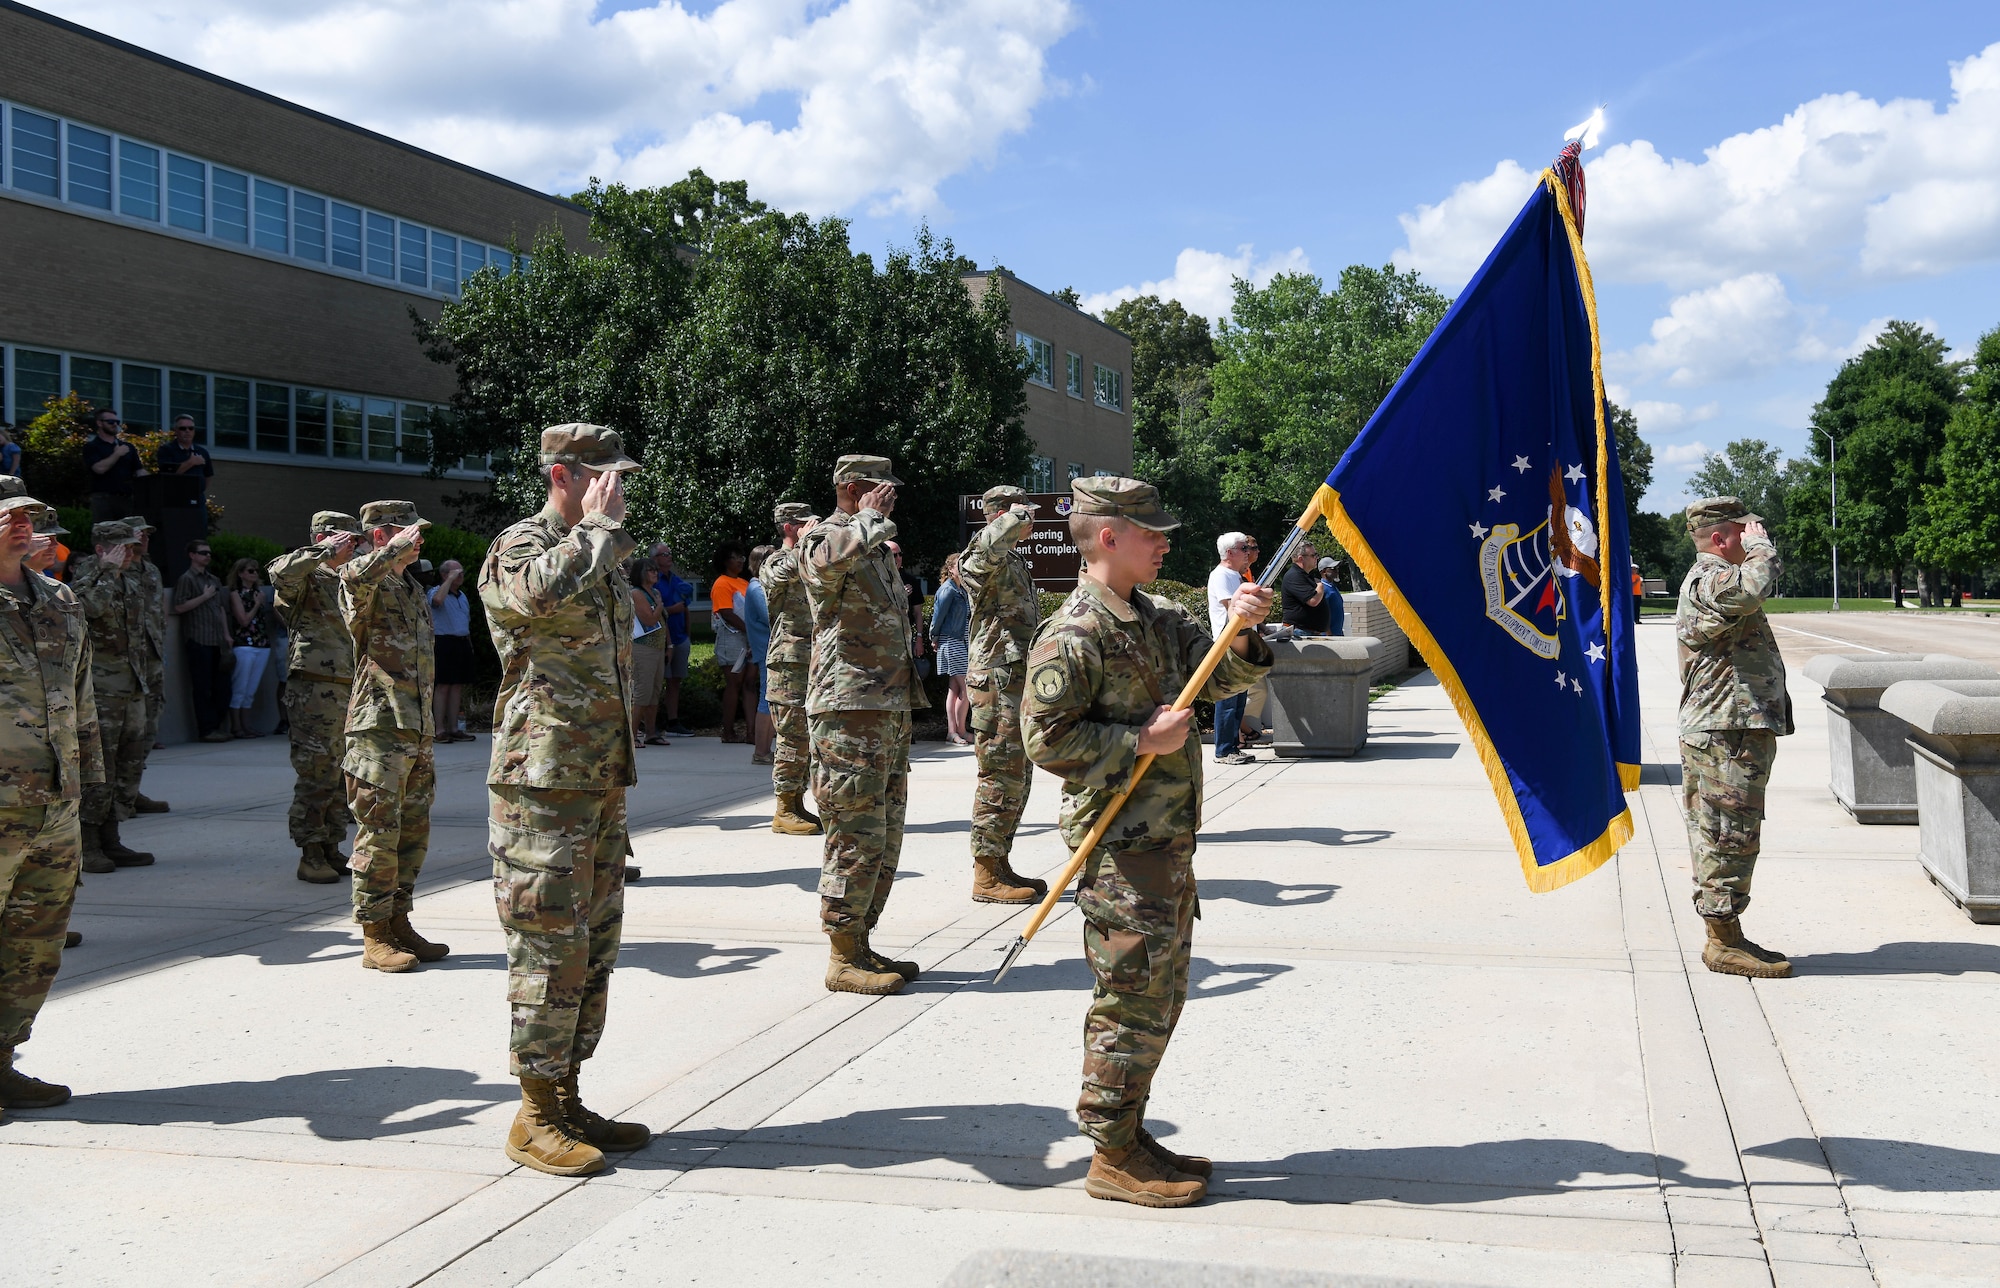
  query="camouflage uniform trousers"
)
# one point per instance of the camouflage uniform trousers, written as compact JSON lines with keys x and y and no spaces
{"x":559,"y":885}
{"x":1722,"y":791}
{"x":40,"y":851}
{"x":1139,"y":908}
{"x":391,"y":781}
{"x":317,"y":711}
{"x":861,"y":780}
{"x":791,"y":751}
{"x":1005,"y":776}
{"x":121,"y":723}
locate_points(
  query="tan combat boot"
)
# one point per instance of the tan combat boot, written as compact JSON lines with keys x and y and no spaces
{"x":848,"y":971}
{"x":989,"y":884}
{"x":1011,"y":877}
{"x":380,"y":951}
{"x":605,"y":1133}
{"x":1134,"y":1175}
{"x":876,"y":961}
{"x":407,"y":938}
{"x":95,"y":860}
{"x":313,"y":866}
{"x":19,"y":1091}
{"x":792,"y":818}
{"x":1189,"y":1164}
{"x":117,"y":851}
{"x":539,"y":1138}
{"x":1727,"y":952}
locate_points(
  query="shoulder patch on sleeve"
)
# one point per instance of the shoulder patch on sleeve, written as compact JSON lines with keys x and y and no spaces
{"x":1050,"y":681}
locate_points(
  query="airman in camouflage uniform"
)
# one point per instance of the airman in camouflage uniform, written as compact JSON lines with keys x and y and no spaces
{"x":1733,"y":708}
{"x":1101,"y":673}
{"x":114,"y":605}
{"x":319,"y":675}
{"x":563,"y":756}
{"x":388,"y":760}
{"x":49,"y":755}
{"x":858,"y":699}
{"x":1005,"y":612}
{"x":151,"y":649}
{"x":787,"y":669}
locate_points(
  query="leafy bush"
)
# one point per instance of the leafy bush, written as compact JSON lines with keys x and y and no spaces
{"x":52,"y":453}
{"x":231,"y":546}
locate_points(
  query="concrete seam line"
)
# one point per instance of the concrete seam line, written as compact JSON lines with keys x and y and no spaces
{"x":1830,"y":639}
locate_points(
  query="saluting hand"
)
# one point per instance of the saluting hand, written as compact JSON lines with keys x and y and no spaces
{"x":605,"y":495}
{"x":1755,"y":529}
{"x":881,"y":499}
{"x":1025,"y":509}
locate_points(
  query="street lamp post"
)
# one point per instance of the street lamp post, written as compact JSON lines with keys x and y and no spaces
{"x":1833,"y":507}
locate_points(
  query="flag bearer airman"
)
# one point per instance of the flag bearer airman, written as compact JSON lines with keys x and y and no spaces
{"x":112,"y":601}
{"x":1734,"y":707}
{"x":1101,"y":674}
{"x":1001,"y":587}
{"x":150,"y":650}
{"x":858,"y":699}
{"x":319,"y":683}
{"x":563,"y":756}
{"x":49,"y":756}
{"x":388,"y":754}
{"x":786,"y":672}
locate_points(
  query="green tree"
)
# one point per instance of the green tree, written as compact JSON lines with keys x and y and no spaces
{"x":1960,"y":529}
{"x":1749,"y":470}
{"x":1659,"y":543}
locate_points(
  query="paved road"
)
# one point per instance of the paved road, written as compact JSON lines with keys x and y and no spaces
{"x":1408,"y":1066}
{"x":1806,"y":635}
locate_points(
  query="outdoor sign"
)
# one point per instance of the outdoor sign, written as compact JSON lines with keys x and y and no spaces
{"x":1051,"y":554}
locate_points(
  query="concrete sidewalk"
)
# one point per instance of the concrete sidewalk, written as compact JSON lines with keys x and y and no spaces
{"x":1405,"y":1064}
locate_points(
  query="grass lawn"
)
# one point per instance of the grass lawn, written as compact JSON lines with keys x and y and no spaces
{"x":1659,"y":606}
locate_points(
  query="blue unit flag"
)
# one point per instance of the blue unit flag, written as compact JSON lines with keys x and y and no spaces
{"x":1484,"y":502}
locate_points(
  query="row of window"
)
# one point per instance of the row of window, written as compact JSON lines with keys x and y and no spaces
{"x":1041,"y":477}
{"x":231,"y":413}
{"x":54,"y":157}
{"x":1107,"y":384}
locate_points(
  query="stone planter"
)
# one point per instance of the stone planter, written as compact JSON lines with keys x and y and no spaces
{"x":1872,"y":769}
{"x":1955,"y":737}
{"x":1319,"y":695}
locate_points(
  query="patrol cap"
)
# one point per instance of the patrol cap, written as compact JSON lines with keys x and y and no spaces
{"x":863,"y":469}
{"x":1711,"y":510}
{"x":390,"y":514}
{"x":791,"y":512}
{"x":11,"y":486}
{"x":112,"y":532}
{"x":1001,"y":496}
{"x":137,"y":522}
{"x":325,"y":521}
{"x":1116,"y":498}
{"x":41,"y":515}
{"x":48,"y":523}
{"x":591,"y":446}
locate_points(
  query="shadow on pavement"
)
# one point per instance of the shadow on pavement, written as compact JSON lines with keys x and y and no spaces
{"x":1903,"y":1166}
{"x":1266,"y":894}
{"x":1205,"y":978}
{"x":1378,"y":749}
{"x":1661,"y":775}
{"x":1313,"y":835}
{"x":337,"y":1104}
{"x":1905,"y":959}
{"x":1488,"y":1169}
{"x":806,"y":879}
{"x":300,"y":947}
{"x":661,"y":957}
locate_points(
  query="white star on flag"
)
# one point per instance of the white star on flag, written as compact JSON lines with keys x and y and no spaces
{"x":1521,"y":464}
{"x":1595,"y":652}
{"x":1578,"y":686}
{"x":1574,"y":474}
{"x":1561,"y":679}
{"x":1479,"y":530}
{"x":1494,"y":494}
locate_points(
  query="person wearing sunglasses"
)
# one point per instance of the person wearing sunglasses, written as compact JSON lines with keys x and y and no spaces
{"x":113,"y":464}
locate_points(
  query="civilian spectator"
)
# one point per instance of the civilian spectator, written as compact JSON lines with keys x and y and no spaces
{"x":755,"y":610}
{"x":732,"y":646}
{"x":1336,"y":607}
{"x":649,"y":650}
{"x":249,"y":641}
{"x":951,"y":624}
{"x":913,"y":592}
{"x":184,"y":456}
{"x":113,"y":464}
{"x":1236,"y":553}
{"x":205,"y":638}
{"x":1305,"y":598}
{"x":451,"y":626}
{"x":675,"y":596}
{"x":10,"y":453}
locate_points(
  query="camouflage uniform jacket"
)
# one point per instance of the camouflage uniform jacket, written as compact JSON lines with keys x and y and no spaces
{"x":149,"y":646}
{"x":861,"y":658}
{"x":1001,"y":586}
{"x":1097,"y":670}
{"x":561,"y":615}
{"x":791,"y":611}
{"x":308,"y":594}
{"x":48,"y":708}
{"x":395,"y":655}
{"x":116,"y":612}
{"x":1732,"y":676}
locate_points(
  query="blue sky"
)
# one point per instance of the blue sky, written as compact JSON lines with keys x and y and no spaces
{"x":1109,"y":145}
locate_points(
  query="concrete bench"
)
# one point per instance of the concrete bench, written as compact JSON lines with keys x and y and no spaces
{"x":1955,"y":736}
{"x":1319,"y":695}
{"x":1872,"y":771}
{"x":1654,"y":586}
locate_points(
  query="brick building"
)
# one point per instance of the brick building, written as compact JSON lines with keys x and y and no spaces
{"x":174,"y":242}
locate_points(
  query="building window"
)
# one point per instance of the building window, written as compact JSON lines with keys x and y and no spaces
{"x":187,"y":194}
{"x":140,"y":408}
{"x":230,"y":196}
{"x":444,"y":263}
{"x":1110,"y":386}
{"x":309,"y":227}
{"x":416,"y":257}
{"x":37,"y":378}
{"x":187,"y":395}
{"x":416,"y":434}
{"x":36,"y":154}
{"x":381,"y":430}
{"x":1040,"y":358}
{"x":1075,"y":471}
{"x":232,"y":412}
{"x":345,"y":236}
{"x":1074,"y":376}
{"x":91,"y":379}
{"x":274,"y":418}
{"x":89,"y":167}
{"x":309,"y":422}
{"x":1041,"y":477}
{"x":381,"y":245}
{"x":471,"y":258}
{"x":347,"y":427}
{"x":138,"y":180}
{"x":273,"y":217}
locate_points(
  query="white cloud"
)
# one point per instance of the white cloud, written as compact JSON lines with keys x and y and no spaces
{"x":1843,"y":184}
{"x":1203,"y":280}
{"x":820,"y":106}
{"x":1685,"y":457}
{"x":1723,"y":332}
{"x":1669,"y":417}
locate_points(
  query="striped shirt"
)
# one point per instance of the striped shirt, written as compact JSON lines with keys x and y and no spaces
{"x":207,"y":624}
